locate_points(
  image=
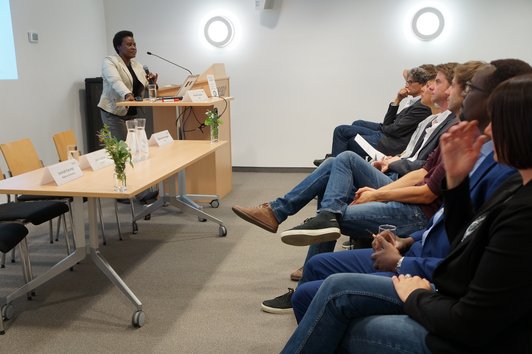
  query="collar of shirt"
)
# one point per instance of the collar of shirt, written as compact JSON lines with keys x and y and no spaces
{"x":485,"y":150}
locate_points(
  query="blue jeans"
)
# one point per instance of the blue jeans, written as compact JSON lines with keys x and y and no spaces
{"x":357,"y":313}
{"x":320,"y":266}
{"x":343,"y":137}
{"x":335,"y":178}
{"x":349,"y":172}
{"x":334,"y":182}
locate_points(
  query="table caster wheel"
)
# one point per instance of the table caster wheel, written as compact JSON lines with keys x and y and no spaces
{"x":215,"y":203}
{"x":147,"y":217}
{"x":200,"y":219}
{"x":135,"y":227}
{"x":138,"y":319}
{"x":222,"y":231}
{"x":8,"y":311}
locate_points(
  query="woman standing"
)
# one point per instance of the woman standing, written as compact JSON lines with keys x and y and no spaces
{"x":124,"y":79}
{"x":480,"y":299}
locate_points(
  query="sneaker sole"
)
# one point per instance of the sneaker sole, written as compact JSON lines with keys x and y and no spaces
{"x":275,"y":310}
{"x":254,"y":221}
{"x":310,"y":237}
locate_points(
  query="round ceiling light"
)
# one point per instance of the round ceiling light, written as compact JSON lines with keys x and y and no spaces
{"x":428,"y":23}
{"x":219,"y":31}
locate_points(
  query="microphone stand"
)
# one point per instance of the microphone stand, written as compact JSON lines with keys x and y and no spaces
{"x":168,"y":61}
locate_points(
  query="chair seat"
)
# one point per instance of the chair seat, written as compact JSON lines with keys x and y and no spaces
{"x":10,"y":236}
{"x":33,"y":212}
{"x":32,"y":198}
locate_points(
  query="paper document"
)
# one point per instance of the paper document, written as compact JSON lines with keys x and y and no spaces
{"x":373,"y":153}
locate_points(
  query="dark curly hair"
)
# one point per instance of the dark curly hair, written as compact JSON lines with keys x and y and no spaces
{"x":119,"y":37}
{"x":505,"y":69}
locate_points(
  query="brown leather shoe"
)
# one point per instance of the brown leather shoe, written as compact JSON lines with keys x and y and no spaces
{"x":297,"y":274}
{"x":262,"y":216}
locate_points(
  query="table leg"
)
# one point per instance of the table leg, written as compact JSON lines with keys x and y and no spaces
{"x":105,"y":267}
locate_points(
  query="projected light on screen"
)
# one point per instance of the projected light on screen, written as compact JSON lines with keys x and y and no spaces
{"x":8,"y":60}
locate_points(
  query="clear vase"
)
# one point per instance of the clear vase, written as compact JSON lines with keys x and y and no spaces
{"x":132,"y":140}
{"x":214,"y":134}
{"x":142,"y":140}
{"x":120,"y":181}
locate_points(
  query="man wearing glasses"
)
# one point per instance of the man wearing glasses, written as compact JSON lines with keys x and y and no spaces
{"x":392,"y":135}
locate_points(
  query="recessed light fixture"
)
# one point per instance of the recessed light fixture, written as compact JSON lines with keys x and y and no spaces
{"x":428,"y":23}
{"x":219,"y":31}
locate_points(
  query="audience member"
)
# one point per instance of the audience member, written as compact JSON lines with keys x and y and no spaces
{"x":471,"y":305}
{"x":430,"y":246}
{"x":391,"y":136}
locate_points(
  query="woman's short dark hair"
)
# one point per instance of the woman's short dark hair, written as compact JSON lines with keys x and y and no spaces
{"x":510,"y":109}
{"x":119,"y":37}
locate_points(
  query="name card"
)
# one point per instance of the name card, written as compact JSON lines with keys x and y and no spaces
{"x":95,"y":160}
{"x":212,"y":85}
{"x":62,"y":172}
{"x":195,"y":96}
{"x":161,"y":138}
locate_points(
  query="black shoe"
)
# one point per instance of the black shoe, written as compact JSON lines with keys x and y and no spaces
{"x":147,"y":197}
{"x":280,"y":304}
{"x":322,"y":228}
{"x":318,"y":162}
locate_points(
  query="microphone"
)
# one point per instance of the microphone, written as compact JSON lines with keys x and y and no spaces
{"x":147,"y":71}
{"x":179,"y":66}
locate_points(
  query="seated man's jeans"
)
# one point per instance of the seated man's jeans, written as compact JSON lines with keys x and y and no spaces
{"x":357,"y":313}
{"x":360,"y":220}
{"x":320,"y":266}
{"x":343,"y":137}
{"x":335,"y":182}
{"x":335,"y":178}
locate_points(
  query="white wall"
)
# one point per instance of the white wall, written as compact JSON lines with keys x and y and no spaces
{"x":296,"y":71}
{"x":45,"y":98}
{"x":308,"y":65}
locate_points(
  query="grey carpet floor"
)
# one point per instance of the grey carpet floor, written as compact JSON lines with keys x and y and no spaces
{"x":201,"y":293}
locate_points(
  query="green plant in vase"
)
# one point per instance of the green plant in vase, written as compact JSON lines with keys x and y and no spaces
{"x":119,"y":152}
{"x":213,"y":120}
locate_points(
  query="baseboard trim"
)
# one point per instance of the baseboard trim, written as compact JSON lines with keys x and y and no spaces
{"x":273,"y":169}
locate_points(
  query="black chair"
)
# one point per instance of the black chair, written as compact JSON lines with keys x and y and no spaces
{"x":35,"y":213}
{"x":11,"y":234}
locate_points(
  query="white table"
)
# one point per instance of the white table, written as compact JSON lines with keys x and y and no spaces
{"x":165,"y":164}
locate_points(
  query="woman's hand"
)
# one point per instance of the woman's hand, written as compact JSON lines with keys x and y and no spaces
{"x":152,"y":78}
{"x":460,"y":149}
{"x":405,"y":284}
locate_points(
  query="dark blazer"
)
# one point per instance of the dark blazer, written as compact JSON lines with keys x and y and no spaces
{"x":483,"y":303}
{"x":397,"y":128}
{"x":403,"y":166}
{"x":423,"y":259}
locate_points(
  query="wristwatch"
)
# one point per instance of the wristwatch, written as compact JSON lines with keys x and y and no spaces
{"x":398,"y":265}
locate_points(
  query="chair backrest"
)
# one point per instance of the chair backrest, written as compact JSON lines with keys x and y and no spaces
{"x":20,"y":156}
{"x":62,"y":140}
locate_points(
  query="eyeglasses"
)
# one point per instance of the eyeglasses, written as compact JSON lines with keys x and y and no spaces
{"x":470,"y":87}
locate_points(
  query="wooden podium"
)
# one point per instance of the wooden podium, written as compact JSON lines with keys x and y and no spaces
{"x":212,"y":174}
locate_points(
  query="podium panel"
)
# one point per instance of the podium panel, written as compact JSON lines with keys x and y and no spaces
{"x":213,"y":174}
